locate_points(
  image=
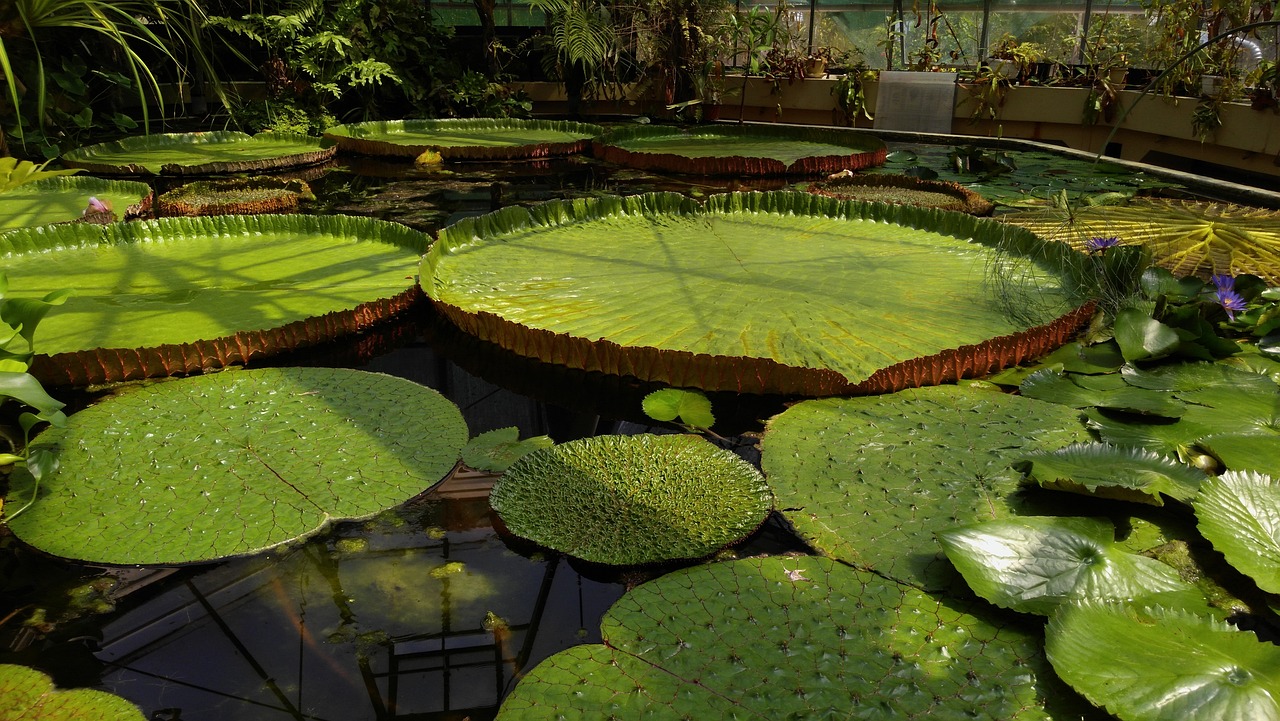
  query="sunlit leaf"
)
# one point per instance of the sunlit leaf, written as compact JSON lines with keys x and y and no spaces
{"x":1239,"y":512}
{"x":29,"y":695}
{"x":1115,"y":472}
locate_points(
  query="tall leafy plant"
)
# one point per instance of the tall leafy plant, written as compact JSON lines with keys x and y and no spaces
{"x":581,"y":47}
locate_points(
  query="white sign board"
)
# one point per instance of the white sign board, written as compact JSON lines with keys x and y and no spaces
{"x":915,"y":101}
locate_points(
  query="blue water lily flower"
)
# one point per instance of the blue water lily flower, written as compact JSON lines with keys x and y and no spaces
{"x":1230,"y":302}
{"x":1097,"y":245}
{"x":1223,"y":282}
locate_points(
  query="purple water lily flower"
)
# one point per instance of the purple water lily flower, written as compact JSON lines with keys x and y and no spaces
{"x":1097,"y":245}
{"x":1223,"y":282}
{"x":1230,"y":301}
{"x":97,"y":206}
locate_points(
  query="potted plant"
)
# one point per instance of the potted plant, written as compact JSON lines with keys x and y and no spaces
{"x":1012,"y":59}
{"x":819,"y":60}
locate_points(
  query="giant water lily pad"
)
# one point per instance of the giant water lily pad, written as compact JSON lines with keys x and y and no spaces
{"x":465,"y":139}
{"x":871,"y":480}
{"x":626,"y":500}
{"x":756,"y":292}
{"x":740,"y":150}
{"x":1188,"y":238}
{"x":233,"y":463}
{"x":178,"y":295}
{"x":247,"y":196}
{"x":905,"y":189}
{"x":29,"y":695}
{"x":792,"y":638}
{"x":60,"y":200}
{"x":219,"y":151}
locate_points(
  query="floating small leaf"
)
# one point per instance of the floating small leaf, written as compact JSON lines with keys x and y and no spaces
{"x":693,"y":408}
{"x":1115,"y":472}
{"x":497,"y":449}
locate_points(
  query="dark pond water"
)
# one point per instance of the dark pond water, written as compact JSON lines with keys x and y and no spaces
{"x":395,"y":617}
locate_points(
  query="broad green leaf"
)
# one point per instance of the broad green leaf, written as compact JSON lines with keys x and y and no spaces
{"x":693,"y":408}
{"x":497,"y":449}
{"x":219,"y":151}
{"x":1035,"y":564}
{"x":1156,"y":664}
{"x":1116,"y":472}
{"x":867,"y":295}
{"x":14,"y":172}
{"x":1186,"y":237}
{"x":1081,"y":358}
{"x":1141,"y":337}
{"x":1239,"y":512}
{"x":1194,"y":376}
{"x":794,"y":638}
{"x":871,"y":480}
{"x":59,"y":200}
{"x":234,"y":463}
{"x":1244,"y":452}
{"x":625,"y":500}
{"x":744,"y":150}
{"x":24,"y":388}
{"x":1054,"y":387}
{"x":179,"y":295}
{"x":29,"y":695}
{"x":465,"y":139}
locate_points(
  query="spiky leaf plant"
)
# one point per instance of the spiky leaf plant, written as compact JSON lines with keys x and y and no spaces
{"x":629,"y":500}
{"x":233,"y":463}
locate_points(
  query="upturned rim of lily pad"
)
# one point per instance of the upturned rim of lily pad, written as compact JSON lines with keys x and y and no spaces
{"x":282,"y":196}
{"x":106,"y":157}
{"x":380,"y":137}
{"x":964,"y":200}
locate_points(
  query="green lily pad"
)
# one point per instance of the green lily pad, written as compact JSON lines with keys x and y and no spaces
{"x":1154,"y":664}
{"x":1035,"y":564}
{"x":1141,"y":337}
{"x":860,"y":297}
{"x":29,"y":695}
{"x":1239,"y":512}
{"x":496,"y":450}
{"x":905,"y":189}
{"x":465,"y":139}
{"x":740,"y":150}
{"x":234,"y":463}
{"x":181,"y":295}
{"x":207,"y":153}
{"x":1109,"y":471}
{"x":246,"y":196}
{"x":693,"y":408}
{"x":627,"y":500}
{"x":61,"y":200}
{"x":1244,"y":452}
{"x":792,"y":638}
{"x":871,"y":480}
{"x":1054,"y":387}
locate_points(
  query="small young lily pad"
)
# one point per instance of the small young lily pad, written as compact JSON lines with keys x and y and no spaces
{"x":234,"y":463}
{"x":496,"y":450}
{"x":692,"y":407}
{"x":629,"y":500}
{"x":29,"y":695}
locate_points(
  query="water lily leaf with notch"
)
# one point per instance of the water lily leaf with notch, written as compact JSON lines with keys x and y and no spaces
{"x":465,"y":138}
{"x":1054,"y":387}
{"x":205,"y":153}
{"x":1239,"y":512}
{"x":496,"y":450}
{"x":61,"y":200}
{"x":794,"y":638}
{"x":1157,"y":664}
{"x":1035,"y":564}
{"x":871,"y":480}
{"x":1142,"y":337}
{"x":234,"y":463}
{"x":1196,"y":376}
{"x":1109,"y":471}
{"x":182,"y":295}
{"x":863,"y":297}
{"x":630,"y":500}
{"x":693,"y":408}
{"x":29,"y":695}
{"x":1186,"y":237}
{"x":1244,"y":452}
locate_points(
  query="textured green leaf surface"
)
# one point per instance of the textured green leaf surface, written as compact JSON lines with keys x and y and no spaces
{"x":57,"y":200}
{"x":1054,"y":387}
{"x":871,"y":480}
{"x":1244,"y":452}
{"x":780,"y":143}
{"x":1034,"y":564}
{"x":1239,"y":512}
{"x":177,"y":280}
{"x":637,"y":499}
{"x":1140,"y":336}
{"x":845,"y":288}
{"x":1155,"y":664}
{"x":209,"y":152}
{"x":29,"y":695}
{"x":497,"y":449}
{"x":235,"y":462}
{"x":1116,"y":472}
{"x":462,"y":138}
{"x":790,"y":638}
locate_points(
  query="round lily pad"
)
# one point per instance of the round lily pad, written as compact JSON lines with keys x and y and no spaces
{"x":243,"y":196}
{"x":29,"y":695}
{"x":753,"y":292}
{"x":628,"y":500}
{"x":233,"y":463}
{"x":740,"y":150}
{"x":906,"y":190}
{"x":65,"y":199}
{"x":871,"y":480}
{"x":208,"y":153}
{"x":794,"y":638}
{"x":465,"y":139}
{"x":179,"y":295}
